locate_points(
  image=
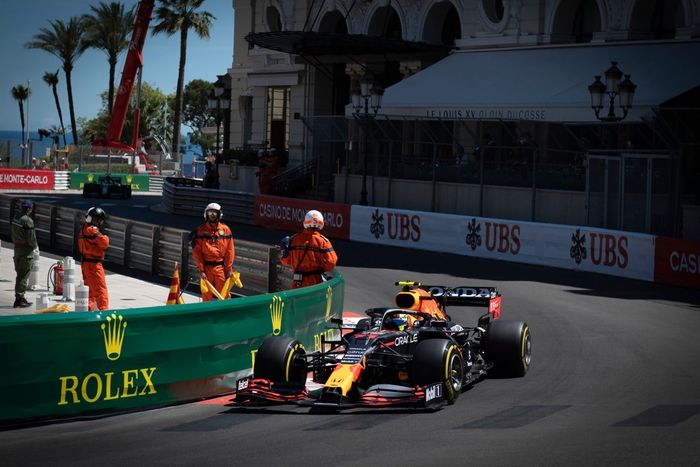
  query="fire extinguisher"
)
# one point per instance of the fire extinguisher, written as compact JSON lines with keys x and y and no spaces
{"x":56,"y":277}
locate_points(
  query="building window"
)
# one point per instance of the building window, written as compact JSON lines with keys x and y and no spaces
{"x":278,"y":117}
{"x":272,"y":16}
{"x":494,"y":10}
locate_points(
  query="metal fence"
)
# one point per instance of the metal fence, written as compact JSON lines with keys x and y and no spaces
{"x":148,"y":248}
{"x":185,"y":196}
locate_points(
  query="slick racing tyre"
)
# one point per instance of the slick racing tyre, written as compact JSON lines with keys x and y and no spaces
{"x":439,"y":361}
{"x":508,"y":346}
{"x":281,"y":359}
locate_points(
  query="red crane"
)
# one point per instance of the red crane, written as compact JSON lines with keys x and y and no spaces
{"x":132,"y":66}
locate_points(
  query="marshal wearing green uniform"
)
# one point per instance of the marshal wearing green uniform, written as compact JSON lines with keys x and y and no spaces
{"x":24,"y":238}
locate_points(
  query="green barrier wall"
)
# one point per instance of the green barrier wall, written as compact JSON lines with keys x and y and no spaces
{"x":80,"y":363}
{"x":138,"y":182}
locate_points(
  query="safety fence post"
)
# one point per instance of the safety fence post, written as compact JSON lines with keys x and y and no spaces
{"x":127,"y":243}
{"x":156,"y":249}
{"x":272,"y":276}
{"x":53,"y":211}
{"x":185,"y":258}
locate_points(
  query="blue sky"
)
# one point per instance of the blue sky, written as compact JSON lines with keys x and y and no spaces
{"x":22,"y":19}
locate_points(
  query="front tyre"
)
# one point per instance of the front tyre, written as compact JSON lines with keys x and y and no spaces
{"x":508,"y":346}
{"x":281,"y":359}
{"x":439,"y":361}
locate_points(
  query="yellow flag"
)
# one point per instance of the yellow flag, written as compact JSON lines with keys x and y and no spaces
{"x":56,"y":308}
{"x":206,"y":285}
{"x":237,"y":279}
{"x":228,"y":285}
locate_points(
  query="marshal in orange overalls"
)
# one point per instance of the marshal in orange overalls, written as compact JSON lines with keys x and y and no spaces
{"x":213,"y":253}
{"x":310,"y":255}
{"x":93,"y":244}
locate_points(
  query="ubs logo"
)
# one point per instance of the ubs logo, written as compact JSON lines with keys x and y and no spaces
{"x":376,"y":228}
{"x":498,"y":238}
{"x":399,"y":226}
{"x":605,"y":249}
{"x":578,"y":246}
{"x":473,"y":234}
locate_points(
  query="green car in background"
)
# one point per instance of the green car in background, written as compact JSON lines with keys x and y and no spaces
{"x":107,"y":187}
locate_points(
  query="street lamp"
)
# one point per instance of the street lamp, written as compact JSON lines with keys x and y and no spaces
{"x":613,"y":87}
{"x":366,"y":96}
{"x":218,"y":102}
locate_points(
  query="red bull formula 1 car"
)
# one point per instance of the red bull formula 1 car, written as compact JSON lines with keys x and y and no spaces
{"x":409,"y":355}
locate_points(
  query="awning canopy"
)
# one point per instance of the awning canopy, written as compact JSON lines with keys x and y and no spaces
{"x":547,"y":84}
{"x":319,"y":44}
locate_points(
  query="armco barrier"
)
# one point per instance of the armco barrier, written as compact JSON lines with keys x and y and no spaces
{"x":146,"y":247}
{"x":185,"y":196}
{"x":73,"y":364}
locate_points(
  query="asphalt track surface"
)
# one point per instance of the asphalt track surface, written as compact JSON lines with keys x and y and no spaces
{"x":614,"y":381}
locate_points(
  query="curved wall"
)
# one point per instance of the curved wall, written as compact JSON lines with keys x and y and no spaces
{"x":84,"y":363}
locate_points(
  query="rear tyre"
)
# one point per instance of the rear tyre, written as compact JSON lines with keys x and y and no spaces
{"x":439,"y":361}
{"x":509,"y":347}
{"x":281,"y":359}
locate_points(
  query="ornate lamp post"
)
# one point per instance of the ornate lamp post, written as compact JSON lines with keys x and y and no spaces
{"x":366,"y":96}
{"x":613,"y":88}
{"x":218,"y":102}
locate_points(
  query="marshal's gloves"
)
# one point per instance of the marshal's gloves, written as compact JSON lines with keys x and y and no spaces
{"x":284,"y":245}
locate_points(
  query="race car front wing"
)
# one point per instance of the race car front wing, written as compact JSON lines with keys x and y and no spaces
{"x":255,"y":391}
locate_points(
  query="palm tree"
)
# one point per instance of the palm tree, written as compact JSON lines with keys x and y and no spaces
{"x":180,"y":16}
{"x":65,"y":41}
{"x":20,"y":94}
{"x":52,"y":80}
{"x":109,"y":29}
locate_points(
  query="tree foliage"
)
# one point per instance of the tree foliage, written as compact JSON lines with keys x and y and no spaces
{"x":65,"y":41}
{"x":109,"y":29}
{"x":153,"y":104}
{"x":179,"y":17}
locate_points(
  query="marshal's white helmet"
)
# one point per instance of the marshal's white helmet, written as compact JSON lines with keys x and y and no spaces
{"x":313,"y":220}
{"x":213,"y":207}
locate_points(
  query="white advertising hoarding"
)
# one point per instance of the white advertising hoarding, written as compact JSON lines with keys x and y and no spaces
{"x":625,"y":254}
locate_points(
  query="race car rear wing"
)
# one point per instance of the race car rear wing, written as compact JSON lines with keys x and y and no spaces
{"x":467,"y":296}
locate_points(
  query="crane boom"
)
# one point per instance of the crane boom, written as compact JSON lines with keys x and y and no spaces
{"x":134,"y":61}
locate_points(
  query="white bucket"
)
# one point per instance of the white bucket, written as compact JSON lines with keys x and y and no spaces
{"x":68,"y":279}
{"x":34,"y":274}
{"x":82,"y":298}
{"x":43,"y":301}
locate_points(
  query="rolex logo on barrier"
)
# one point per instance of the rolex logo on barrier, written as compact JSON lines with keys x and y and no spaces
{"x":113,"y":333}
{"x":329,"y":301}
{"x":111,"y":382}
{"x":276,"y":309}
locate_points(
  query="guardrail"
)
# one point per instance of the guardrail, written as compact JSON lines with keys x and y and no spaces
{"x":64,"y":365}
{"x":185,"y":196}
{"x":61,"y":180}
{"x":156,"y":183}
{"x":147,"y":247}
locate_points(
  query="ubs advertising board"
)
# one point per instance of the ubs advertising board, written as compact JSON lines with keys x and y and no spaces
{"x":625,"y":254}
{"x":19,"y":179}
{"x":281,"y":213}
